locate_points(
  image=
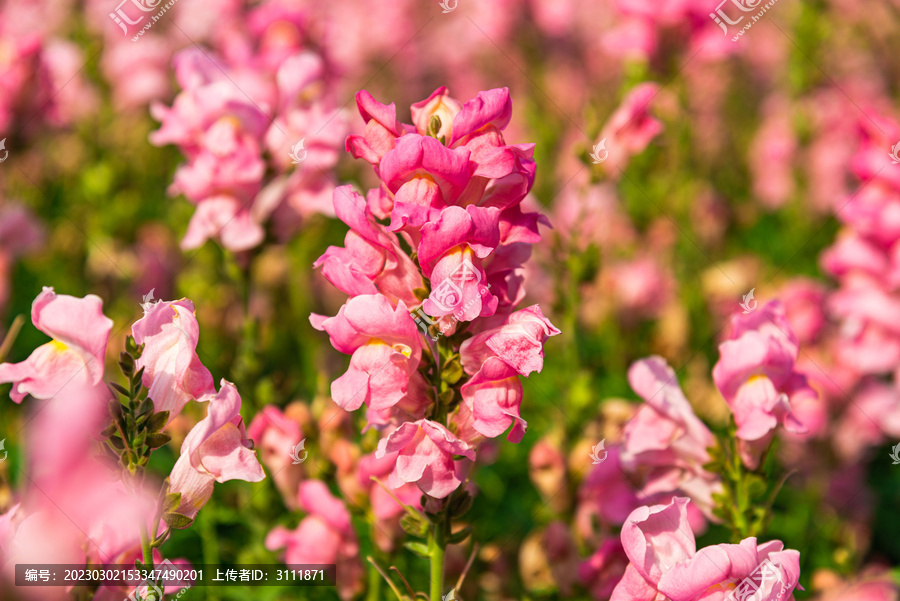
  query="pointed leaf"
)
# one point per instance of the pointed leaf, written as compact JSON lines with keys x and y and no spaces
{"x":154,"y":441}
{"x":177,"y":520}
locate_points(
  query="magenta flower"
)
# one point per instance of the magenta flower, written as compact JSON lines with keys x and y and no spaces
{"x":755,"y":373}
{"x":664,"y":560}
{"x":371,"y":260}
{"x":215,"y":450}
{"x":173,"y":373}
{"x":494,"y":395}
{"x":385,"y":350}
{"x":324,"y":536}
{"x":425,"y":456}
{"x":79,"y":331}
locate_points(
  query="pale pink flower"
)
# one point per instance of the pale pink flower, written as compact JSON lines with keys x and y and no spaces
{"x":275,"y":436}
{"x":215,"y":450}
{"x":664,"y":560}
{"x":76,"y":354}
{"x":173,"y":372}
{"x":665,"y":441}
{"x":425,"y":456}
{"x":385,"y":347}
{"x":631,"y":128}
{"x":756,"y":374}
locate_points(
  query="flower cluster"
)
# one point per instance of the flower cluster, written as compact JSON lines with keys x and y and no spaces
{"x":436,"y":343}
{"x":240,"y":144}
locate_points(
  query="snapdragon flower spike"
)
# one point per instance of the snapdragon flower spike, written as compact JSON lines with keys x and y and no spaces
{"x":215,"y":450}
{"x":425,"y":451}
{"x":756,"y":376}
{"x":173,"y":372}
{"x":76,"y":354}
{"x":385,"y":350}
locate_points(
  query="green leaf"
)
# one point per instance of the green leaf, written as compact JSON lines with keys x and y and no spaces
{"x":172,"y":501}
{"x":108,"y":430}
{"x":154,"y":441}
{"x":117,"y":443}
{"x":177,"y":520}
{"x":158,"y":421}
{"x":458,"y":537}
{"x":452,"y":372}
{"x":420,"y":549}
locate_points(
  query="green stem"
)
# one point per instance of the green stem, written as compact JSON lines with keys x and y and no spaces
{"x":374,"y":593}
{"x":437,"y":544}
{"x":146,"y":549}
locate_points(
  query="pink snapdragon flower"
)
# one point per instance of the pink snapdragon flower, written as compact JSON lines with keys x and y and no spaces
{"x":173,"y":372}
{"x":425,"y":456}
{"x":665,"y":440}
{"x":665,"y":563}
{"x":385,"y":350}
{"x":215,"y":450}
{"x":77,"y":352}
{"x":324,"y":536}
{"x":275,"y":435}
{"x":371,"y":260}
{"x":631,"y":128}
{"x":756,"y":375}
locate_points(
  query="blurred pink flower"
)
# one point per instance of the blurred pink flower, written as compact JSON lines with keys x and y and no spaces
{"x":631,"y":128}
{"x":76,"y":354}
{"x":324,"y":536}
{"x":756,"y":375}
{"x":173,"y":372}
{"x":275,"y":436}
{"x":603,"y":570}
{"x":665,"y":440}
